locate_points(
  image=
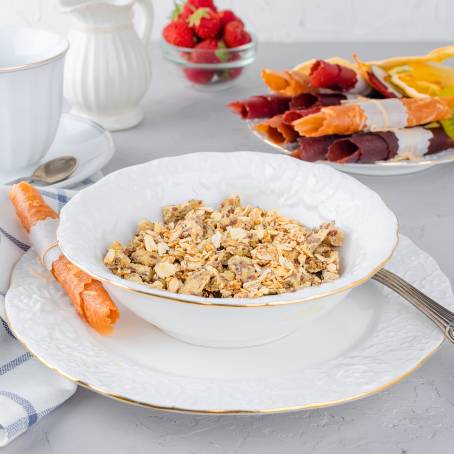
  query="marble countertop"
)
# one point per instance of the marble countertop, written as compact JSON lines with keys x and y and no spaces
{"x":415,"y":416}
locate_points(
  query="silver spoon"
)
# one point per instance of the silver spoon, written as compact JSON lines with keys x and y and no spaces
{"x":52,"y":171}
{"x":441,"y":316}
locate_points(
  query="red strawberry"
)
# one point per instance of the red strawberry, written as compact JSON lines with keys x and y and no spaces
{"x":205,"y":23}
{"x":179,"y":34}
{"x":206,"y":52}
{"x":234,"y":72}
{"x":186,"y":11}
{"x":196,"y":4}
{"x":198,"y":76}
{"x":227,"y":16}
{"x":235,"y":35}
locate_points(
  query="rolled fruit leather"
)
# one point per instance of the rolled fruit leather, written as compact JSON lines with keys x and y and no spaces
{"x":92,"y":302}
{"x":375,"y":115}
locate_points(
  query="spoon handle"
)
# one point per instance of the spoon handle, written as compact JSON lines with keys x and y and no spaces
{"x":441,"y":316}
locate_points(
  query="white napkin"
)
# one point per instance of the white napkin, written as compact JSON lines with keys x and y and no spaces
{"x":28,"y":389}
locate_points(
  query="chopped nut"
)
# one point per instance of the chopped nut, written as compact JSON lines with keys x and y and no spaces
{"x":165,"y":269}
{"x":238,"y":251}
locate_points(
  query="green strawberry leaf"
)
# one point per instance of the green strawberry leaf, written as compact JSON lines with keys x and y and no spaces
{"x":197,"y":16}
{"x":222,"y":53}
{"x":177,"y":10}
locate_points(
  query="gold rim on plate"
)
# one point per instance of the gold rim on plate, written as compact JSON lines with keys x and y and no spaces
{"x":311,"y":406}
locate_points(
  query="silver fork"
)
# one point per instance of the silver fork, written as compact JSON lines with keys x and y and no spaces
{"x":441,"y":316}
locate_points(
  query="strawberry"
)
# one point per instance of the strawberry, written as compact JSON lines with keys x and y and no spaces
{"x":205,"y":23}
{"x":182,"y":11}
{"x":196,"y":4}
{"x":235,"y":35}
{"x":207,"y":52}
{"x":198,"y":76}
{"x":233,"y":73}
{"x":227,"y":16}
{"x":179,"y":34}
{"x":204,"y":52}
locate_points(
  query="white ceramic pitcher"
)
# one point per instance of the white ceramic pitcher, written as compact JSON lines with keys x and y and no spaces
{"x":107,"y":69}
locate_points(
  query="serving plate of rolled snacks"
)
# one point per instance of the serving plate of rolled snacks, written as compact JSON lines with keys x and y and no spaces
{"x":386,"y":117}
{"x":247,"y":291}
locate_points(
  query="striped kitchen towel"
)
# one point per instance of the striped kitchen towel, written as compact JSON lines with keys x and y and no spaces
{"x":28,"y":389}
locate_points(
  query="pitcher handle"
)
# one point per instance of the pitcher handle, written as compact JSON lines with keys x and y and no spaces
{"x":147,"y":7}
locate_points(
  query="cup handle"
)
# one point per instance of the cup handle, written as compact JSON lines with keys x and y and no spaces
{"x":147,"y":7}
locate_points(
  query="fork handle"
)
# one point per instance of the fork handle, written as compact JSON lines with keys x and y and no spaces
{"x":441,"y":316}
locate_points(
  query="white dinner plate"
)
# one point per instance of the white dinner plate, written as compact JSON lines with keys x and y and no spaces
{"x":367,"y":343}
{"x":89,"y":142}
{"x":378,"y":168}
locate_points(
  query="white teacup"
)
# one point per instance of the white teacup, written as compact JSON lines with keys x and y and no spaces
{"x":31,"y":94}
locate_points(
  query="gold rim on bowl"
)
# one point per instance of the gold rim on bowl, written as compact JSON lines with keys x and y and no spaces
{"x":150,"y":294}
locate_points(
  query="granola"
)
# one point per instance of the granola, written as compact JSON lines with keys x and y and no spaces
{"x":237,"y":251}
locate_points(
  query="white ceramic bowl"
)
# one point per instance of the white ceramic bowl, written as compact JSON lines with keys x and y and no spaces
{"x":110,"y":209}
{"x":31,"y":94}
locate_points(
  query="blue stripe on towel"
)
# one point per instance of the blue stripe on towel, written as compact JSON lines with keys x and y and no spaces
{"x":18,"y":243}
{"x":5,"y":325}
{"x":7,"y":367}
{"x":49,"y":195}
{"x":62,"y":199}
{"x":23,"y":423}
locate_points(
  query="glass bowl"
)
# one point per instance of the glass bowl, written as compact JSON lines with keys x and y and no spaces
{"x":209,"y":70}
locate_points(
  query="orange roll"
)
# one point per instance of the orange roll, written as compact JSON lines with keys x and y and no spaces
{"x":288,"y":82}
{"x":276,"y":131}
{"x":89,"y":297}
{"x":30,"y":205}
{"x":351,"y":118}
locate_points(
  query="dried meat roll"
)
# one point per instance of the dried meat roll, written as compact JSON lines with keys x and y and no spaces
{"x":374,"y":115}
{"x":262,"y":106}
{"x":409,"y":143}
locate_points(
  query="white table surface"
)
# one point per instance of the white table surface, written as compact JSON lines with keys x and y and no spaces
{"x":415,"y":416}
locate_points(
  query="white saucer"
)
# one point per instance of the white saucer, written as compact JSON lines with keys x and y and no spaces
{"x":378,"y":168}
{"x":89,"y":142}
{"x":367,"y":343}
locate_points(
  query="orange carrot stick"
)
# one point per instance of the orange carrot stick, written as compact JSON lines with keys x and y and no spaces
{"x":88,"y":296}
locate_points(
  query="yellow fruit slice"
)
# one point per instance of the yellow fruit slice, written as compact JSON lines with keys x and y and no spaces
{"x":417,"y":80}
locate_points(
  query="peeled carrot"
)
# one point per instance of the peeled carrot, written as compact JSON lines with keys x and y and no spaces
{"x":89,"y":297}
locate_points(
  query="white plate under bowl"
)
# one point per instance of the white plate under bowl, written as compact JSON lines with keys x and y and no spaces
{"x":369,"y":342}
{"x":378,"y":168}
{"x":89,"y":142}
